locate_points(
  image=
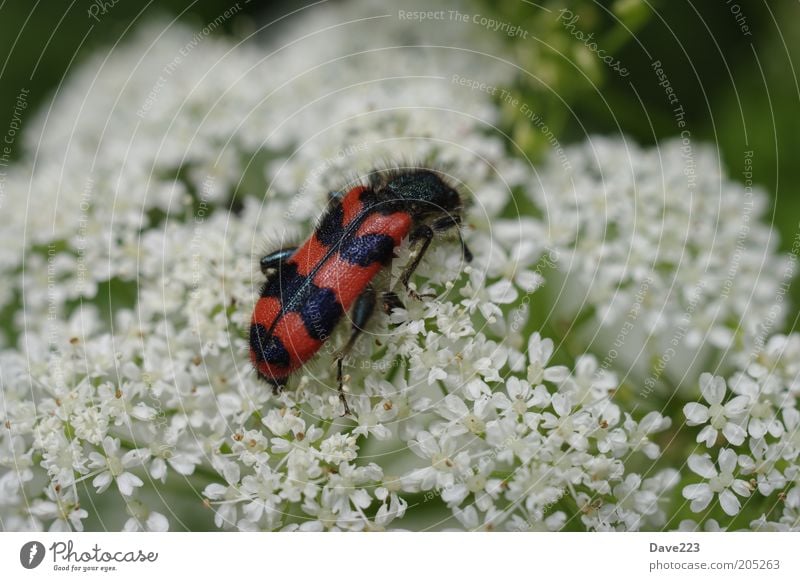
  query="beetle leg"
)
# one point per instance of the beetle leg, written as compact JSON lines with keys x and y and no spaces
{"x":424,"y":234}
{"x":453,"y":221}
{"x":274,"y":259}
{"x":361,"y":313}
{"x":389,"y":299}
{"x":391,"y":302}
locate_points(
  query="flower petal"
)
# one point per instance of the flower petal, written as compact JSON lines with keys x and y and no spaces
{"x":126,"y":482}
{"x":702,"y":465}
{"x":157,"y":523}
{"x":708,"y":435}
{"x":736,"y":406}
{"x":556,"y":374}
{"x":696,"y":413}
{"x":741,"y":487}
{"x":729,"y":503}
{"x":712,"y":387}
{"x":727,"y":461}
{"x":101,"y":481}
{"x":734,"y":433}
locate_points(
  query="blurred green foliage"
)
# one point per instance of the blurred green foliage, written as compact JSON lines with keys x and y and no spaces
{"x":731,"y":65}
{"x":41,"y":42}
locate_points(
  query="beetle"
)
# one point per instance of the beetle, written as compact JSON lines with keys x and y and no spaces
{"x":309,"y":288}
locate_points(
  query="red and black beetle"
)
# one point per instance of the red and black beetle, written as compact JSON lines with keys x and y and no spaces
{"x":308,"y":289}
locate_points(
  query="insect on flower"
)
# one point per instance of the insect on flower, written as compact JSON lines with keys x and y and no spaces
{"x":309,"y":289}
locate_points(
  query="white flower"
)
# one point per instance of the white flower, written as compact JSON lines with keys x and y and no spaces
{"x":472,"y":520}
{"x":759,"y":397}
{"x":551,"y":523}
{"x":588,"y":383}
{"x":635,"y":502}
{"x":393,"y":506}
{"x":539,"y":353}
{"x":639,"y":433}
{"x":566,"y":426}
{"x":725,"y":418}
{"x":791,"y":510}
{"x":721,"y":482}
{"x":447,"y":462}
{"x":791,"y":441}
{"x":509,"y":438}
{"x":225,"y":497}
{"x":520,"y":397}
{"x":345,"y":495}
{"x":62,"y":507}
{"x":431,"y":364}
{"x":174,"y":451}
{"x":63,"y":458}
{"x":762,"y":524}
{"x":690,"y":526}
{"x":762,"y":465}
{"x":372,"y":418}
{"x":486,"y":297}
{"x":462,"y":419}
{"x":600,"y":471}
{"x":339,"y":448}
{"x":143,"y":518}
{"x":113,"y":467}
{"x":631,"y":227}
{"x":262,"y":498}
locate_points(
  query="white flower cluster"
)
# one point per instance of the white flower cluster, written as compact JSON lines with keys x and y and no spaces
{"x":127,"y":397}
{"x":754,"y":435}
{"x":661,"y":255}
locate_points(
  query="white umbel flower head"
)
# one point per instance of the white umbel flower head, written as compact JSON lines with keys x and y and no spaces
{"x":721,"y":418}
{"x":660,"y":237}
{"x":720,"y":482}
